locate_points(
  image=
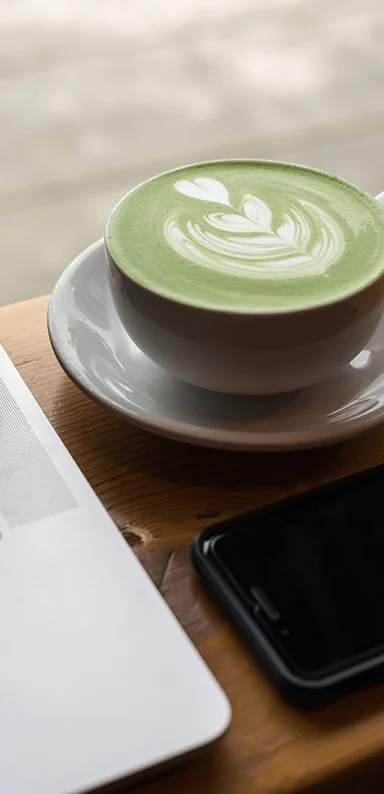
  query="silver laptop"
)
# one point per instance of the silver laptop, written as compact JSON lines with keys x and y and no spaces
{"x":98,"y":681}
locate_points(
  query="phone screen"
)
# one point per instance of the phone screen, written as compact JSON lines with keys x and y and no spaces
{"x":312,"y":574}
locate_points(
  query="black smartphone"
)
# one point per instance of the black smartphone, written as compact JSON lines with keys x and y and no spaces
{"x":304,"y":582}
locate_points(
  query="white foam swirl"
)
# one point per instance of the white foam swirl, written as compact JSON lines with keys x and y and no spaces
{"x":244,"y":242}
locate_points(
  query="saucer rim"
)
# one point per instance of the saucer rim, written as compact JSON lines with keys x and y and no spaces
{"x":195,"y":434}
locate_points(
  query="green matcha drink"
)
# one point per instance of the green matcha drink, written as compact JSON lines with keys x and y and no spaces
{"x":248,"y":235}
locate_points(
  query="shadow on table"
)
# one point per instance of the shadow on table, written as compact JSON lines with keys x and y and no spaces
{"x":364,"y":778}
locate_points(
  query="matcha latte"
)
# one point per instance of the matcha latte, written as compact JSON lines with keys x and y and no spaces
{"x":248,"y":236}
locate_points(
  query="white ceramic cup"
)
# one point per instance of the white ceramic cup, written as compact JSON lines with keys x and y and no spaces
{"x":248,"y":352}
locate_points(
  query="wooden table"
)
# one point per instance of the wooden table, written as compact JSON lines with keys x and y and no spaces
{"x":160,"y":493}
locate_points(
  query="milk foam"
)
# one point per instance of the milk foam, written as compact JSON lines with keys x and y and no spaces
{"x":244,"y":241}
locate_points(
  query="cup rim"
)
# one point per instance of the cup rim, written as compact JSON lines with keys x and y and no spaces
{"x":300,"y":310}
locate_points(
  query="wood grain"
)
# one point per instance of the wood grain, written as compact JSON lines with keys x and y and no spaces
{"x":160,"y":493}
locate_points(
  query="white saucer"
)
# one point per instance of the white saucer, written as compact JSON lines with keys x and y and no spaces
{"x":97,"y":353}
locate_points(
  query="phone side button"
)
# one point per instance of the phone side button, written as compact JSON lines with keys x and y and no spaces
{"x":263,"y":603}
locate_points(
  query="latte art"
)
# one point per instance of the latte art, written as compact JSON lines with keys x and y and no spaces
{"x":244,"y":240}
{"x":248,"y":236}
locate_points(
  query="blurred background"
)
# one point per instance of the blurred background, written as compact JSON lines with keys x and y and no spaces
{"x":97,"y":95}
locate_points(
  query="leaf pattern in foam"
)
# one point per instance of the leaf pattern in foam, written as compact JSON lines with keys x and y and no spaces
{"x":305,"y":243}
